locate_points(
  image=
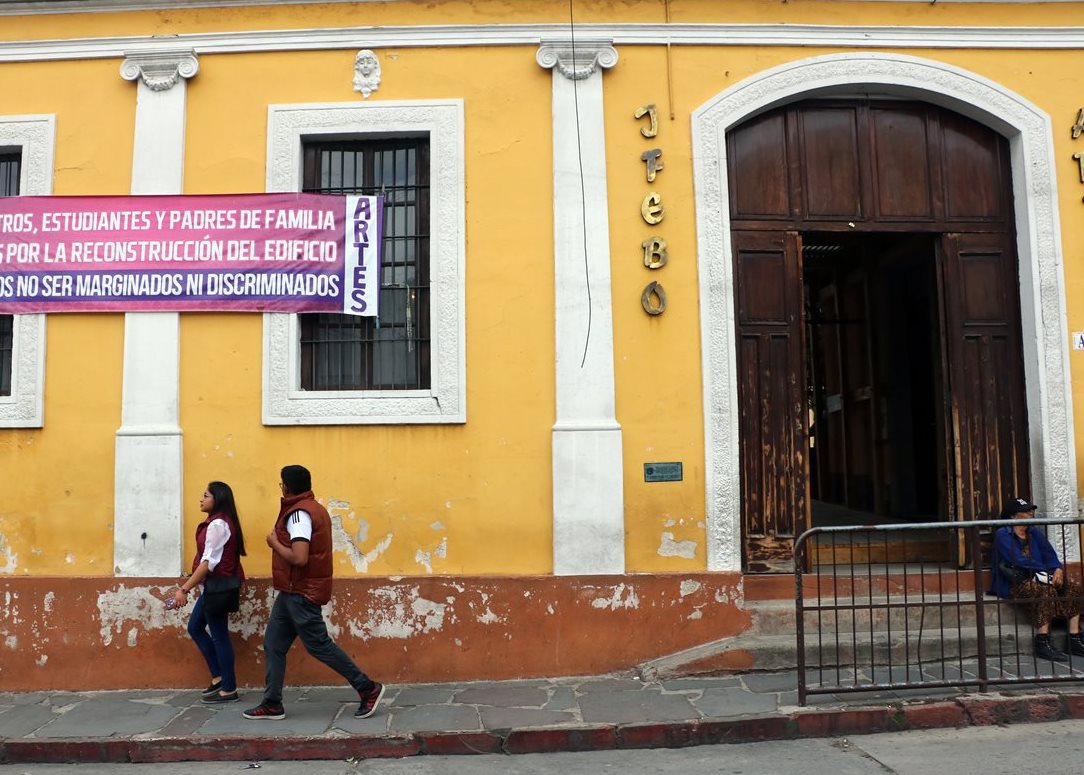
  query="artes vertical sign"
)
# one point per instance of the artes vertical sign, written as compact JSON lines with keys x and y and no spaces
{"x":361,"y":294}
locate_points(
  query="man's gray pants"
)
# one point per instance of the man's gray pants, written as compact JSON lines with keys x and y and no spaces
{"x":293,"y":617}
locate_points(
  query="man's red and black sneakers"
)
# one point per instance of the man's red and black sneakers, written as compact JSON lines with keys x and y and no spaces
{"x":266,"y":710}
{"x":369,"y":700}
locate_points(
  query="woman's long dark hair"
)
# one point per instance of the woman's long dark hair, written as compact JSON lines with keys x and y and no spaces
{"x":224,"y":504}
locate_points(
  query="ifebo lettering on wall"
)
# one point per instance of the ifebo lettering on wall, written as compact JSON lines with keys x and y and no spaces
{"x":653,"y":298}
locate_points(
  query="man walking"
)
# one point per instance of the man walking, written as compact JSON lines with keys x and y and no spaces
{"x":301,"y":567}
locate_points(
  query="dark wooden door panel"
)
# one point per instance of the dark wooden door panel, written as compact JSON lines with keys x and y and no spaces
{"x":974,"y":179}
{"x":874,"y":164}
{"x":901,"y":163}
{"x":831,"y":177}
{"x":859,"y":398}
{"x":771,"y":391}
{"x":758,"y":156}
{"x":986,"y":375}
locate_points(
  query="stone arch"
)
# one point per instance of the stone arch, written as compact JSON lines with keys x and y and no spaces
{"x":1042,"y":291}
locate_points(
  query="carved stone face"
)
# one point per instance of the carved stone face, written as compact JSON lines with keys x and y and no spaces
{"x":366,"y":72}
{"x":367,"y":64}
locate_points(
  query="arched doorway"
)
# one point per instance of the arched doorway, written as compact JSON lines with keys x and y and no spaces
{"x":877,"y":324}
{"x":1048,"y":450}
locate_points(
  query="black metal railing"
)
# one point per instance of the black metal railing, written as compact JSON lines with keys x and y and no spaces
{"x":896,"y":607}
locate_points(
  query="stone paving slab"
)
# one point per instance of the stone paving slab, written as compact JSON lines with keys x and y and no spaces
{"x":21,"y":720}
{"x":626,"y":706}
{"x":107,"y":718}
{"x":451,"y":718}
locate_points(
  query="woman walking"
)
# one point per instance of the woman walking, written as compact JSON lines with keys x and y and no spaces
{"x":220,"y":544}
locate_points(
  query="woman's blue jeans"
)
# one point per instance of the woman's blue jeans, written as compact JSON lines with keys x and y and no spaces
{"x":216,"y":647}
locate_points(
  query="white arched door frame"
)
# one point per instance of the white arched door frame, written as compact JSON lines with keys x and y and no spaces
{"x":1042,"y":291}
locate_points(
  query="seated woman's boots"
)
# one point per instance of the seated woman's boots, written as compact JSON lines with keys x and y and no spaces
{"x":1075,"y":644}
{"x":1044,"y":649}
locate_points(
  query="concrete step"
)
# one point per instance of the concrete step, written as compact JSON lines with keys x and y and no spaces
{"x":884,"y":614}
{"x":881,"y":630}
{"x":859,"y":581}
{"x":756,"y":652}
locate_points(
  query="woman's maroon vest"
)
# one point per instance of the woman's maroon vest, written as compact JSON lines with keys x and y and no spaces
{"x":230,"y":564}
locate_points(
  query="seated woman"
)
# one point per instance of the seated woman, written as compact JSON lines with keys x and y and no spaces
{"x":1026,"y":568}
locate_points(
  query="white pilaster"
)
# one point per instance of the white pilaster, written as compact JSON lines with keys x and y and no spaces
{"x":147,"y":537}
{"x":588,"y":501}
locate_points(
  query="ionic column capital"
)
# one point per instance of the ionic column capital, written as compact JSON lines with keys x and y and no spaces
{"x":160,"y":70}
{"x":576,"y":59}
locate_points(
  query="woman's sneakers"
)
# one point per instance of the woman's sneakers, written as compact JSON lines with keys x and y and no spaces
{"x":220,"y":697}
{"x":212,"y":688}
{"x":266,"y":710}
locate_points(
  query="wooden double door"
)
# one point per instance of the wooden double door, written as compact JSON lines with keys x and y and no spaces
{"x":879,"y":361}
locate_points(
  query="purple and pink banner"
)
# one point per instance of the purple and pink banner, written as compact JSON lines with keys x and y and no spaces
{"x":238,"y":252}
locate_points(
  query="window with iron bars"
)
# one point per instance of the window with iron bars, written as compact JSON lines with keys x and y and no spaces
{"x":392,"y":352}
{"x":9,"y":186}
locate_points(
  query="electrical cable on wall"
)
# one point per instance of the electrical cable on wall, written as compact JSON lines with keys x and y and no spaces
{"x":583,"y":190}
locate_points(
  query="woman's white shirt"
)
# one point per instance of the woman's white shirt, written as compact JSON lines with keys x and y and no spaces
{"x":218,"y":533}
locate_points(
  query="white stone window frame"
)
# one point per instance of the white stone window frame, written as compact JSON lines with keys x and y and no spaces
{"x":34,"y":137}
{"x":288,"y":127}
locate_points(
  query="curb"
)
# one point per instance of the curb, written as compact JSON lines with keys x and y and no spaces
{"x":964,"y":711}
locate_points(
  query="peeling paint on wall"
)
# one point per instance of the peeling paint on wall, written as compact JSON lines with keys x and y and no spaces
{"x":487,"y":617}
{"x":688,"y":587}
{"x":342,"y":541}
{"x":425,"y":559}
{"x":139,"y":605}
{"x":615,"y":601}
{"x":399,"y":613}
{"x":668,"y":547}
{"x":8,"y":558}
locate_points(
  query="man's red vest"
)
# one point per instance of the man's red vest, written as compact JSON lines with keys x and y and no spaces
{"x":313,"y":580}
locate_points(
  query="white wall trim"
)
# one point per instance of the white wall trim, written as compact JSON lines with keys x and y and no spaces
{"x":244,"y":41}
{"x":42,"y":7}
{"x":35,"y":138}
{"x":284,"y":403}
{"x":588,"y":494}
{"x":1042,"y":289}
{"x":148,"y":482}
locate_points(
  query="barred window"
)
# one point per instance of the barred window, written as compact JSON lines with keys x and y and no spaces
{"x":392,"y":352}
{"x":9,"y":186}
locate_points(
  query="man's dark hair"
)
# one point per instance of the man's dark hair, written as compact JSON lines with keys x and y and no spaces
{"x":297,"y":479}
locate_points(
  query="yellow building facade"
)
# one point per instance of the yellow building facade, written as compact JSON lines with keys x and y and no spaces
{"x":502,"y":514}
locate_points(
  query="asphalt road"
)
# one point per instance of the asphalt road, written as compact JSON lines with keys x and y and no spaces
{"x":1050,"y":749}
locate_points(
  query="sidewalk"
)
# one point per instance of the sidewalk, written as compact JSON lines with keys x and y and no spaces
{"x":527,"y":716}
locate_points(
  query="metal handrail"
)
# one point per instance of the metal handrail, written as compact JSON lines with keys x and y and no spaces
{"x":985,"y":671}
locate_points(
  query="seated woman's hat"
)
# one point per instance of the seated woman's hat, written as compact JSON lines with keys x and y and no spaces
{"x":1015,"y":506}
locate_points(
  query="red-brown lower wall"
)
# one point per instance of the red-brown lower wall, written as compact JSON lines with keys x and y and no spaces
{"x":107,"y":633}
